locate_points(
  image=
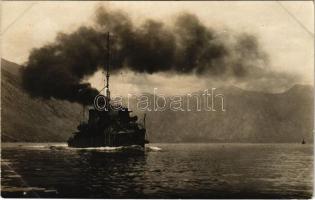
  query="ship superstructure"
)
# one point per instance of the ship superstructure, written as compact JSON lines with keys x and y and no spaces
{"x":110,"y":126}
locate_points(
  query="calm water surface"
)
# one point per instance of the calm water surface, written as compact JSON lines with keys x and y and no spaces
{"x":162,"y":171}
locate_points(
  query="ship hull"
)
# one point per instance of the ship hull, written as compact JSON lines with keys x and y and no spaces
{"x":108,"y":140}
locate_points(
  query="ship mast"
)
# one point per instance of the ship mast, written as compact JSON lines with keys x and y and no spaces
{"x":107,"y":92}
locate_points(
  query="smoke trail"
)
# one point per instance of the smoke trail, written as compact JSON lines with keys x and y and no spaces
{"x":187,"y":46}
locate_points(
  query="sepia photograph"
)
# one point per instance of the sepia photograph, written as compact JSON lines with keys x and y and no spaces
{"x":157,"y":99}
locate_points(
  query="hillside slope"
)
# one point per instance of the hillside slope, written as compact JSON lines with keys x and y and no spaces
{"x":32,"y":120}
{"x":249,"y":116}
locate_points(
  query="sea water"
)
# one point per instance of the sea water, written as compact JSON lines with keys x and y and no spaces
{"x":158,"y":171}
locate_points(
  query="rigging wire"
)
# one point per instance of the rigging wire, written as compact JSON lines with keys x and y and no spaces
{"x":17,"y":18}
{"x":295,"y":19}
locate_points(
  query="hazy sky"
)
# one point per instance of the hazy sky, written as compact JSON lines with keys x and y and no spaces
{"x":25,"y":25}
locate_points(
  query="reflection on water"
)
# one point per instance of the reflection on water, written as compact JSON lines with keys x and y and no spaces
{"x":161,"y":171}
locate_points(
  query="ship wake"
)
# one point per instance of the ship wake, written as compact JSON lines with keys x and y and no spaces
{"x":108,"y":148}
{"x":64,"y":147}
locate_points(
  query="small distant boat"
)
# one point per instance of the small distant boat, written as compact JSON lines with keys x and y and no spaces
{"x":303,"y":141}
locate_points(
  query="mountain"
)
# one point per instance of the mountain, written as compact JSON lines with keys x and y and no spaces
{"x":248,"y":117}
{"x":32,"y":120}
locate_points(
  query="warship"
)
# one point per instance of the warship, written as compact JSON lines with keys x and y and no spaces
{"x":109,"y":127}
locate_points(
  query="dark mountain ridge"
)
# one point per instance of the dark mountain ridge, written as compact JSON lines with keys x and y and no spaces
{"x":248,"y":117}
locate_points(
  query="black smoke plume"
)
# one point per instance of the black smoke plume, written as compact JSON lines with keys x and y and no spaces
{"x":187,"y":46}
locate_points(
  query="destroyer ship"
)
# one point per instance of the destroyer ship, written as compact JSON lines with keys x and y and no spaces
{"x":110,"y":126}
